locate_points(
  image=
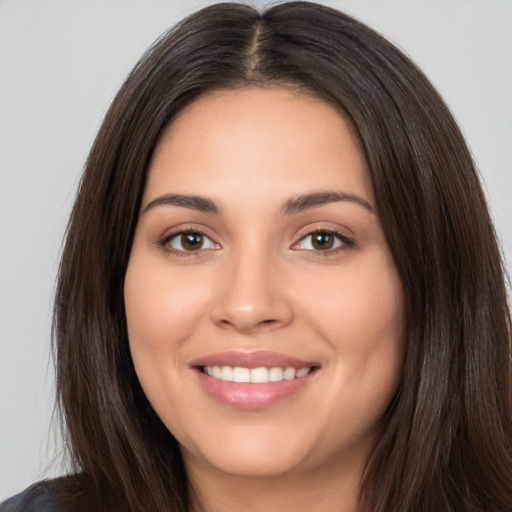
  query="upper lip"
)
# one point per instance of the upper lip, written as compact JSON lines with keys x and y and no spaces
{"x":252,"y":360}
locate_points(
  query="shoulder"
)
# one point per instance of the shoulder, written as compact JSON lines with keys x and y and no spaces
{"x":37,"y":498}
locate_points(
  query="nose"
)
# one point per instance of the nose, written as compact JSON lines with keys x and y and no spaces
{"x":252,"y":295}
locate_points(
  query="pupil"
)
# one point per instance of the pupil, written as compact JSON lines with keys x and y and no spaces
{"x":191,"y":241}
{"x":323,"y":241}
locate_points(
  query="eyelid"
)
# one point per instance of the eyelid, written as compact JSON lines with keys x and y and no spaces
{"x":346,"y":242}
{"x":165,"y":240}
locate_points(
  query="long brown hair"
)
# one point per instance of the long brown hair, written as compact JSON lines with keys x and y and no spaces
{"x":446,"y":439}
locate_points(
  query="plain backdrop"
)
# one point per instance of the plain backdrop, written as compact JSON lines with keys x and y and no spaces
{"x":61,"y":63}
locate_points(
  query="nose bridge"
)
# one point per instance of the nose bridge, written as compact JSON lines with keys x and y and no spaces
{"x":251,"y":295}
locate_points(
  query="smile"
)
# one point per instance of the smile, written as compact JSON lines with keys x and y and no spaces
{"x":259,"y":375}
{"x":253,"y":380}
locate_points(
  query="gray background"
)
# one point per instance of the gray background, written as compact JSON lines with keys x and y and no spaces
{"x":61,"y":62}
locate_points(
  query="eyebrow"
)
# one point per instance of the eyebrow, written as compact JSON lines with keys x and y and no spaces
{"x":294,"y":205}
{"x":305,"y":202}
{"x":199,"y":203}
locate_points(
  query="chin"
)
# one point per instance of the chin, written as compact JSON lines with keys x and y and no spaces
{"x":250,"y":456}
{"x":254,"y":467}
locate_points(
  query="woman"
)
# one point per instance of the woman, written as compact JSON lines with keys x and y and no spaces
{"x":281,"y":287}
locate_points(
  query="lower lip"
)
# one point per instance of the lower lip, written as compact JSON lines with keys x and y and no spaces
{"x":244,"y":395}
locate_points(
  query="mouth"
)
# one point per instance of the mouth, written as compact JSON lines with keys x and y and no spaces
{"x":253,"y":380}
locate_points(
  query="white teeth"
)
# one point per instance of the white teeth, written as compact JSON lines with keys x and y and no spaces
{"x":275,"y":374}
{"x":259,"y":375}
{"x":226,"y":373}
{"x":302,"y":372}
{"x":255,"y":375}
{"x":289,"y":373}
{"x":241,"y":375}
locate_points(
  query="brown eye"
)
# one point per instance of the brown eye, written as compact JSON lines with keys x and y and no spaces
{"x":190,"y":241}
{"x":323,"y":241}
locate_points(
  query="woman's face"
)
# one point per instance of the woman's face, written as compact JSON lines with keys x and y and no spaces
{"x":258,"y":256}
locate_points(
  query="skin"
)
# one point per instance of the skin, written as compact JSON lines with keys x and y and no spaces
{"x":258,"y":283}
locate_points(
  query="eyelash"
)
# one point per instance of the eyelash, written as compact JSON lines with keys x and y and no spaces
{"x":164,"y":242}
{"x":346,"y":242}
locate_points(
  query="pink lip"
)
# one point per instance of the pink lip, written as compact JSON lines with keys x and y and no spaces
{"x":248,"y":395}
{"x":252,"y":360}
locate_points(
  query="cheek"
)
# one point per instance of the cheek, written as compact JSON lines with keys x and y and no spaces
{"x":163,"y":310}
{"x":359,"y":309}
{"x":162,"y":307}
{"x":360,"y":316}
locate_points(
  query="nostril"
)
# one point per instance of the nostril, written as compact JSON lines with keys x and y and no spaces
{"x":247,"y":311}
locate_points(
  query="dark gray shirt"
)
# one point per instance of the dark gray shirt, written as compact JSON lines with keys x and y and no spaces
{"x":34,"y":499}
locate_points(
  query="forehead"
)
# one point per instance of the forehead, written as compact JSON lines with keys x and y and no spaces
{"x":243,"y":140}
